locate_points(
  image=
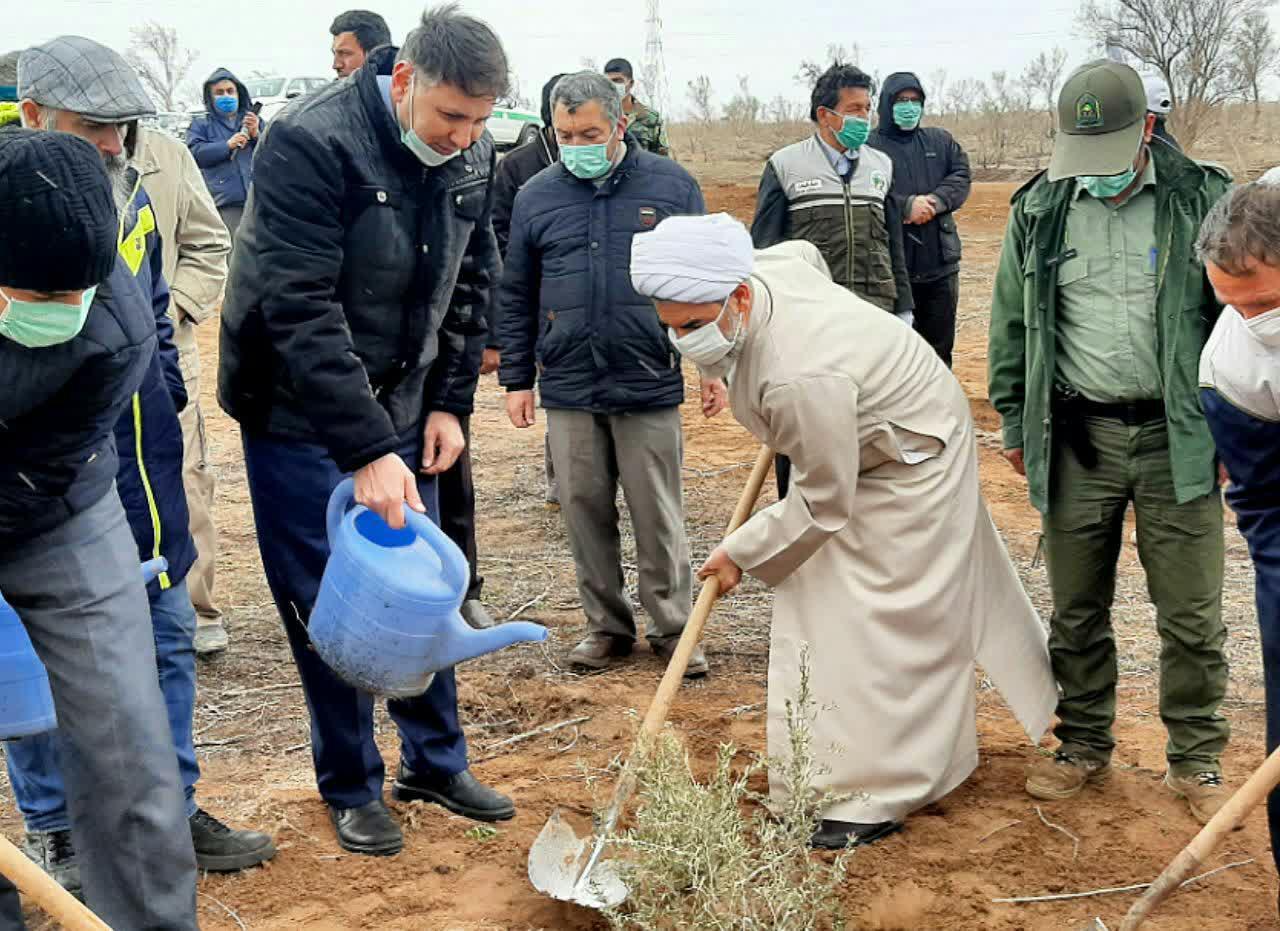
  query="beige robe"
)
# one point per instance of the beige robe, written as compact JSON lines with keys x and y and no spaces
{"x":883,"y":555}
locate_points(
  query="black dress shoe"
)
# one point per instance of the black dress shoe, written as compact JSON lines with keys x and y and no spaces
{"x":369,"y":829}
{"x":836,"y":835}
{"x":461,"y":794}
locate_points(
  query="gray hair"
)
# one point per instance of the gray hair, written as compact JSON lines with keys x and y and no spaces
{"x":1243,"y":225}
{"x":575,"y":90}
{"x":451,"y":48}
{"x":9,"y":68}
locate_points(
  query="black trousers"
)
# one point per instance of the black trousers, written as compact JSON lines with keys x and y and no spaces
{"x":457,"y":493}
{"x":936,"y":304}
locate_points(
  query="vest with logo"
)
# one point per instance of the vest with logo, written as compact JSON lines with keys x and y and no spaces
{"x":845,"y":219}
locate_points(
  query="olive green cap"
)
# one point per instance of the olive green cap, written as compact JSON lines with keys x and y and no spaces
{"x":1102,"y":114}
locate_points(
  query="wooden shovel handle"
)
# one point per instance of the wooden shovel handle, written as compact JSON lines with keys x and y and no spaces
{"x":671,"y":679}
{"x":41,"y":888}
{"x":1193,"y":856}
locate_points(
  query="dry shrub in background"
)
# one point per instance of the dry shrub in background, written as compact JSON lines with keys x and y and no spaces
{"x":708,"y":855}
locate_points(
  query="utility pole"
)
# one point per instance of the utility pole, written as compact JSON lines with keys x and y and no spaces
{"x":653,"y":72}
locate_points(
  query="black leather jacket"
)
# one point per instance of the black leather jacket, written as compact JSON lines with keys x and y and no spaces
{"x":361,"y":280}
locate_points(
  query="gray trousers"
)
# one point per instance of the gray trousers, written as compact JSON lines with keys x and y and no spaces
{"x":644,"y":451}
{"x":78,"y":590}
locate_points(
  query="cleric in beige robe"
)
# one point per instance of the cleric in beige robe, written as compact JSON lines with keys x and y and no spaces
{"x":883,"y":555}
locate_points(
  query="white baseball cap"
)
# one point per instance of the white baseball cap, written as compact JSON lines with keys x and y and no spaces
{"x":1159,"y":99}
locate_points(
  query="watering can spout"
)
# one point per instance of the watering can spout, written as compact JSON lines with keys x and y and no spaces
{"x":464,"y":643}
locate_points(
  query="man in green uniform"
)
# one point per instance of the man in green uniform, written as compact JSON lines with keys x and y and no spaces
{"x":1099,"y":314}
{"x":643,"y":123}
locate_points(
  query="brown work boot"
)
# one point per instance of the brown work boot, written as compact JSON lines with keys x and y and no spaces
{"x":1063,"y":775}
{"x":1205,"y":793}
{"x":665,"y":649}
{"x":597,"y":649}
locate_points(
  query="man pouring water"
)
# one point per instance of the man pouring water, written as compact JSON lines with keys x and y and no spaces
{"x":884,"y":558}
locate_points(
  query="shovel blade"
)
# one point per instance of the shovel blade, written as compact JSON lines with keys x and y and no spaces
{"x":556,"y":861}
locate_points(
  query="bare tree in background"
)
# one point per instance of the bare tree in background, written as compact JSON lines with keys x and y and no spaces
{"x":514,"y":98}
{"x":161,"y":62}
{"x":1042,"y":78}
{"x":1192,"y":43}
{"x":700,"y":99}
{"x":1257,"y":56}
{"x":782,"y":110}
{"x":744,"y":110}
{"x":937,"y":89}
{"x":702,"y":108}
{"x":810,"y":71}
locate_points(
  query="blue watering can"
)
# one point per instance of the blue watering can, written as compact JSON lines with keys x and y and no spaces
{"x":386,"y":619}
{"x":26,"y":704}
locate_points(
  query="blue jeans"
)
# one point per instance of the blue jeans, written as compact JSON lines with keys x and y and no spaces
{"x":289,"y":484}
{"x":33,"y":762}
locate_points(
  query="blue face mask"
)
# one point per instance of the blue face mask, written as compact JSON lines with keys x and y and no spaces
{"x":587,"y":162}
{"x":227,"y":105}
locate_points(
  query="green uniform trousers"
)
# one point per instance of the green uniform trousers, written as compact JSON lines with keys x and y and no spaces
{"x":1181,"y":549}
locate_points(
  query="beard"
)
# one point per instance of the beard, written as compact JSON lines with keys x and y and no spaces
{"x":122,"y":188}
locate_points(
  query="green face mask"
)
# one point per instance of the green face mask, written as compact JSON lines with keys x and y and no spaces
{"x":907,"y":113}
{"x":39,"y":324}
{"x":587,"y":162}
{"x":854,"y":132}
{"x":1106,"y":186}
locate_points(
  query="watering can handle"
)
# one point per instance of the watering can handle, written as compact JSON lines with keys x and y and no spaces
{"x":344,"y":496}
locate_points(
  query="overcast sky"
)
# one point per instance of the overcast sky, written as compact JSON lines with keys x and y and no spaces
{"x":763,"y":40}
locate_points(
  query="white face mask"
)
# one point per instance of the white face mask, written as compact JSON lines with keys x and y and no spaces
{"x":707,"y":347}
{"x":1265,"y":328}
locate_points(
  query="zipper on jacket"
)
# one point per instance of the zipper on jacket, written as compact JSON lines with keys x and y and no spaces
{"x":146,"y":487}
{"x":848,"y":229}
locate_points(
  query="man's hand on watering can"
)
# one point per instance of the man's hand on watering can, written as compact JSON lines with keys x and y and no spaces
{"x":385,"y":486}
{"x":722,"y":566}
{"x":444,"y":443}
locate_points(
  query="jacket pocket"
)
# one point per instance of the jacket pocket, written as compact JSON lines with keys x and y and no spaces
{"x":949,"y":239}
{"x":468,"y":200}
{"x":558,"y":336}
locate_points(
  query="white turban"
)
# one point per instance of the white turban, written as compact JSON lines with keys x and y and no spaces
{"x":693,"y":260}
{"x":1272,"y":177}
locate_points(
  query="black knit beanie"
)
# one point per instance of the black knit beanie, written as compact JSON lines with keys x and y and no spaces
{"x":57,"y":216}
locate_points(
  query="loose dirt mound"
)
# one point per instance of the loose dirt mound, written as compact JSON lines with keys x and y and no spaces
{"x":985,"y":841}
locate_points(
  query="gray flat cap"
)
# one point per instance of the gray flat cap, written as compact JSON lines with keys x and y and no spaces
{"x":81,"y":76}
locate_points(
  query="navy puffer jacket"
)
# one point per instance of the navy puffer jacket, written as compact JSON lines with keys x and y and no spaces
{"x":149,"y":435}
{"x":568,"y":317}
{"x":57,"y":409}
{"x":227,"y":178}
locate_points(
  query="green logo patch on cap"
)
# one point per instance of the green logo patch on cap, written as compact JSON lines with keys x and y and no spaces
{"x":1088,"y":112}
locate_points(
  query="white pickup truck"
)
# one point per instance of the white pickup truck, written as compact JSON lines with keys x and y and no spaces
{"x":511,"y":128}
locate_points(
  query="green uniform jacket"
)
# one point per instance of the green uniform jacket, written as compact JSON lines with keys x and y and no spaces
{"x":1023,"y":336}
{"x":649,"y":129}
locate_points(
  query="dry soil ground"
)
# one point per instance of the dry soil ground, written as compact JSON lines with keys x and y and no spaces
{"x":985,"y":841}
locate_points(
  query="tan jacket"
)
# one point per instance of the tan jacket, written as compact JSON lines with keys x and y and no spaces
{"x":195,"y":241}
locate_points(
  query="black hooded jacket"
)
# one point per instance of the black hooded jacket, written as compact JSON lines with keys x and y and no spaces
{"x":926,"y":161}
